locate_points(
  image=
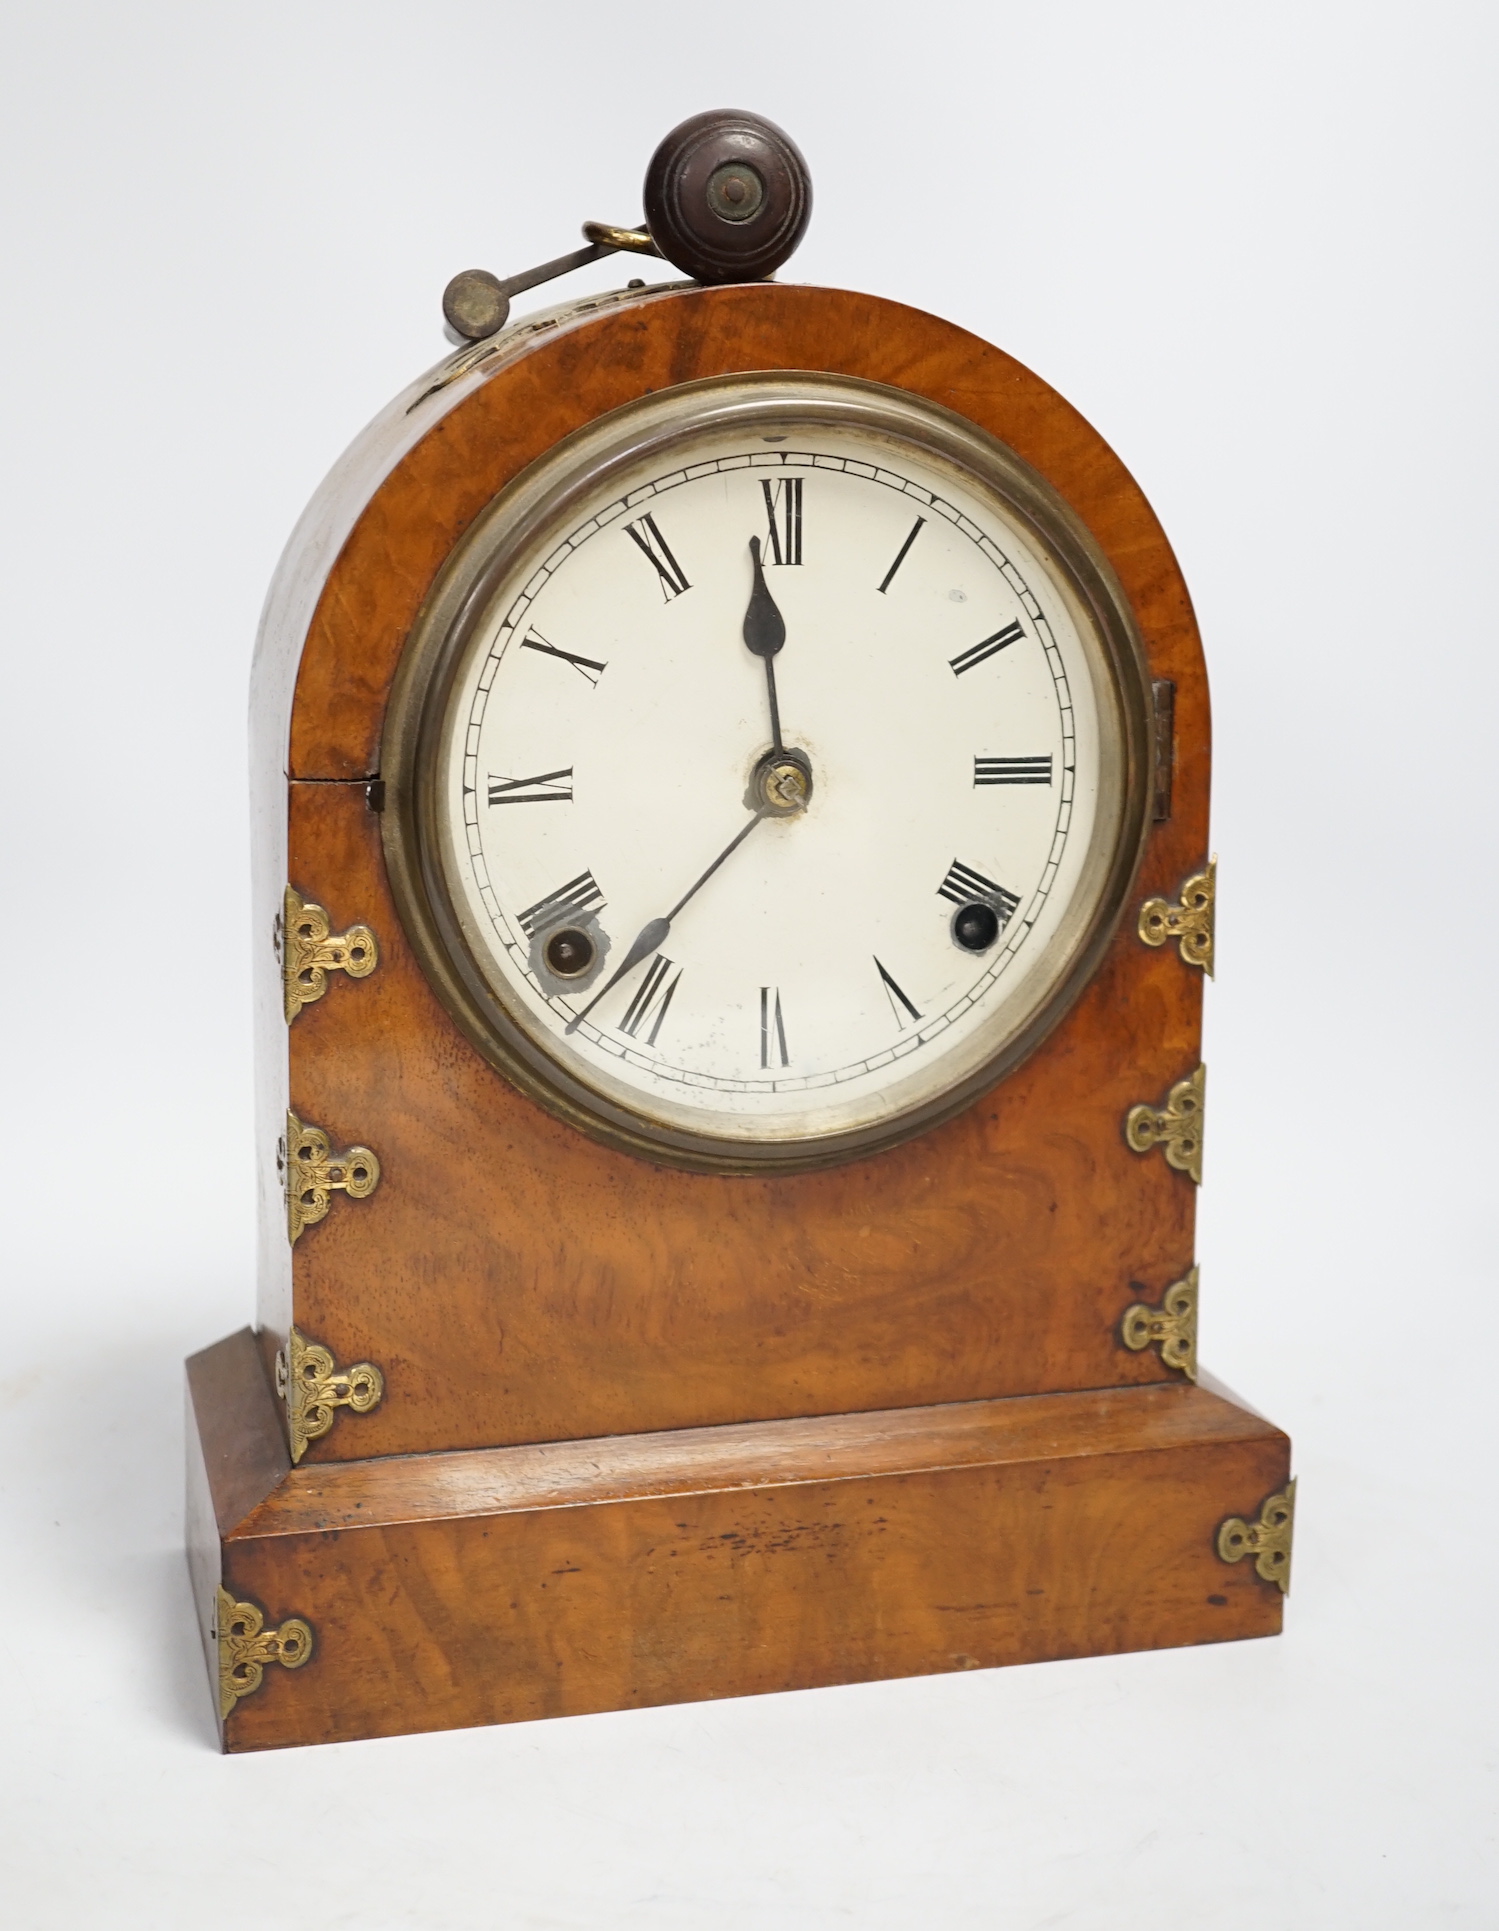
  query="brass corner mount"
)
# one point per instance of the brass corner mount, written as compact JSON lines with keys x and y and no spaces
{"x":246,"y":1646}
{"x":310,"y":950}
{"x":1189,"y":922}
{"x":1171,"y":1327}
{"x":312,"y":1173}
{"x":1176,"y":1128}
{"x":1268,"y":1540}
{"x":312,"y":1388}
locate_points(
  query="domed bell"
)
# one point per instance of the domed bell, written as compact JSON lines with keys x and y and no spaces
{"x":727,"y":197}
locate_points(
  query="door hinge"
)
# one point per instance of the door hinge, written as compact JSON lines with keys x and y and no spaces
{"x":310,"y":950}
{"x":311,"y":1387}
{"x":1190,"y":922}
{"x":1175,"y":1127}
{"x":1171,"y":1327}
{"x":312,"y":1173}
{"x":246,"y":1646}
{"x":1268,"y":1540}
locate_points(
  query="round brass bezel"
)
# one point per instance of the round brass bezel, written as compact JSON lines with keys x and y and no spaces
{"x":541,"y":497}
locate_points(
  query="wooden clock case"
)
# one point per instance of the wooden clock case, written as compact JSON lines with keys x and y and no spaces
{"x":644,"y":1434}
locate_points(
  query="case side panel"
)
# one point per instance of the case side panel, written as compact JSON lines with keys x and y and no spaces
{"x":235,"y":1421}
{"x":293,"y":597}
{"x":236,"y":1457}
{"x":310,"y":554}
{"x":204,"y":1550}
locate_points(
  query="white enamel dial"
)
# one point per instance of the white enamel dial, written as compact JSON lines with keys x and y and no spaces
{"x":777,"y":780}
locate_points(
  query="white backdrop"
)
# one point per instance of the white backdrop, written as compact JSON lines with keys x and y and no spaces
{"x":1256,"y":247}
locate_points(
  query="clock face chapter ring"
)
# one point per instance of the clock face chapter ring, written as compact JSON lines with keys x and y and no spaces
{"x":767,"y":770}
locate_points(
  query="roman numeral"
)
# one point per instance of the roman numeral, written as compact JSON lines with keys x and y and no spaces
{"x":1012,"y":770}
{"x":588,"y":668}
{"x":574,"y":900}
{"x":653,"y":545}
{"x":894,"y":993}
{"x":964,"y":886}
{"x":900,"y":555}
{"x":772,"y":1027}
{"x":547,"y":788}
{"x":783,"y":516}
{"x":990,"y":647}
{"x":651,"y":1000}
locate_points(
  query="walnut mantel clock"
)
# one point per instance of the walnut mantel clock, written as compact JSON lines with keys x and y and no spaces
{"x":731,"y":804}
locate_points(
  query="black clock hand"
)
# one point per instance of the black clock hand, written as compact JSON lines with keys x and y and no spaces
{"x":652,"y":935}
{"x":764,"y":633}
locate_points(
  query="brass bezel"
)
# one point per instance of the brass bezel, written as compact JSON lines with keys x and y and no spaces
{"x":459,"y":599}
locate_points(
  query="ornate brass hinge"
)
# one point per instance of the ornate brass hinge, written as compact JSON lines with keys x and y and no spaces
{"x":1268,"y":1540}
{"x":313,"y":1173}
{"x":312,"y":1388}
{"x":246,"y":1646}
{"x":1190,"y":923}
{"x":310,"y":950}
{"x":1175,"y":1127}
{"x":1172,"y":1327}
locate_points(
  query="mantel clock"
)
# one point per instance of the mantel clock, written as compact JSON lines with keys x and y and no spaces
{"x":731,"y":810}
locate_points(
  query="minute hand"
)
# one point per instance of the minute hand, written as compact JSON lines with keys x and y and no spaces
{"x":652,"y":935}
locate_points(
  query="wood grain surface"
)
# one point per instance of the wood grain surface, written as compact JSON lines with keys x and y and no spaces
{"x":517,"y":1282}
{"x":577,"y":373}
{"x":650,"y":1435}
{"x":508,"y":1584}
{"x":686,"y":1461}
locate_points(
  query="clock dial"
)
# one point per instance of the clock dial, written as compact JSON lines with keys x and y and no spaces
{"x":779,"y":781}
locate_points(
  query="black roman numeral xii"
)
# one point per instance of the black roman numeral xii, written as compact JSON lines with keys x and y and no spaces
{"x":783,"y":516}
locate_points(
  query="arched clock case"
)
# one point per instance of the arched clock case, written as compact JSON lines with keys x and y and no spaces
{"x":590,"y":1373}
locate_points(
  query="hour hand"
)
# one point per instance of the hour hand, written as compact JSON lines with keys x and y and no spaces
{"x":764,"y":634}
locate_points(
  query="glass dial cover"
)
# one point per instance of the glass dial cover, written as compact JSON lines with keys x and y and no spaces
{"x":767,"y":770}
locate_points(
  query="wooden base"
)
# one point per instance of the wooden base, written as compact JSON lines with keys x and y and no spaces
{"x":498,"y":1585}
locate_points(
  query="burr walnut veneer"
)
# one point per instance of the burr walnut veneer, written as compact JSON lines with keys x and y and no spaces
{"x":649,"y":1434}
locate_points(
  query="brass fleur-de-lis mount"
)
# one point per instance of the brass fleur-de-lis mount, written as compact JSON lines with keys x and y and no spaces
{"x":312,"y":1387}
{"x":310,"y":950}
{"x":1171,"y":1327}
{"x":246,"y":1647}
{"x":1190,"y":922}
{"x":312,"y":1173}
{"x":1175,"y":1127}
{"x":1268,"y":1540}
